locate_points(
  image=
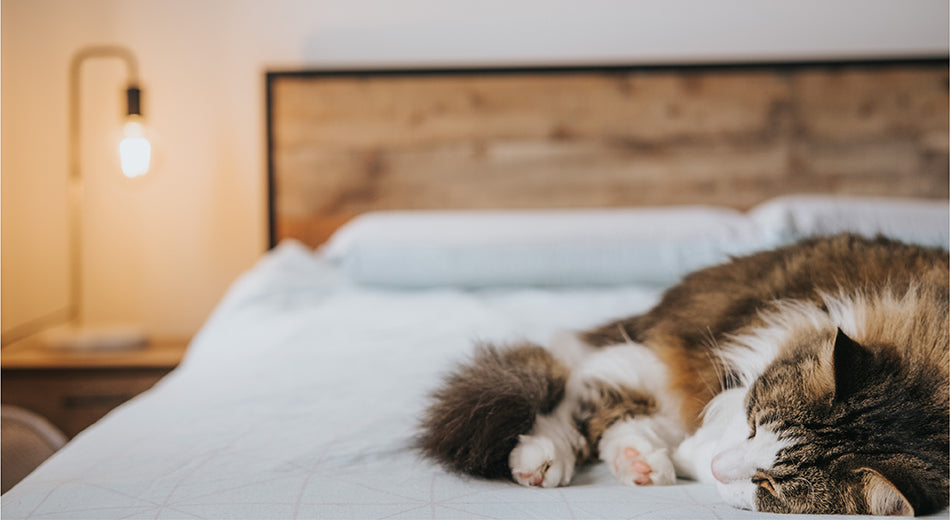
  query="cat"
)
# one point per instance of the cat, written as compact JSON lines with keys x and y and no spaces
{"x":812,"y":378}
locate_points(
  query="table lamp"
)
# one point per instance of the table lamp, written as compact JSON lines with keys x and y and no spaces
{"x":135,"y":155}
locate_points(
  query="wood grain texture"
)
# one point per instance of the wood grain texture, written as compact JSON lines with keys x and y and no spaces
{"x":345,"y":144}
{"x":33,"y":354}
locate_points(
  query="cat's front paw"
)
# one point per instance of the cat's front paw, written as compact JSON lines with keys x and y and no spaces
{"x":634,"y":468}
{"x":535,"y":461}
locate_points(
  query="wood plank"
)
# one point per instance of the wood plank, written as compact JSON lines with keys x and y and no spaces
{"x":349,"y":144}
{"x":32,"y":354}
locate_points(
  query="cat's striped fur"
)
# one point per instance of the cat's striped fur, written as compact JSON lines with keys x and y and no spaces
{"x":811,"y":378}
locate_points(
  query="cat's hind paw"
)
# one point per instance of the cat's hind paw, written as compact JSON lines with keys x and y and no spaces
{"x":634,"y":468}
{"x":535,"y":462}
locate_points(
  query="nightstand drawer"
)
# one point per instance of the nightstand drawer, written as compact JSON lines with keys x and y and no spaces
{"x":74,"y":399}
{"x":74,"y":389}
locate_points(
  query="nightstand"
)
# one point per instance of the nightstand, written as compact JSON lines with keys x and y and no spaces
{"x":75,"y":389}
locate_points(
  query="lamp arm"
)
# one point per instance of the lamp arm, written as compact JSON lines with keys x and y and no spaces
{"x":75,"y":159}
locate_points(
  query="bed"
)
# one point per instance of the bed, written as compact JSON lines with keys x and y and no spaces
{"x":413,"y":213}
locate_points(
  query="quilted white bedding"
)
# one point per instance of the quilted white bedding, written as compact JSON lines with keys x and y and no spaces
{"x":300,"y":395}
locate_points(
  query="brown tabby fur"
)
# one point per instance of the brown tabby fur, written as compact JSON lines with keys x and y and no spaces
{"x":870,"y":412}
{"x":709,"y":304}
{"x":613,"y":403}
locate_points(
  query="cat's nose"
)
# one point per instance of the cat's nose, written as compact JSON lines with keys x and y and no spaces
{"x":716,"y":466}
{"x":730,"y":466}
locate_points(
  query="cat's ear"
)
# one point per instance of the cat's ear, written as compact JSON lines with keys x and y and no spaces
{"x":883,"y":498}
{"x":852,"y":365}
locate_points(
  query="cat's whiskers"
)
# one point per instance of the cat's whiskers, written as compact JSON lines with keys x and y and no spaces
{"x":811,"y":487}
{"x":715,"y":362}
{"x":623,"y":332}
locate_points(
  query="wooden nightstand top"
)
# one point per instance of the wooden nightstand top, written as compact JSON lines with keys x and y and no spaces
{"x":34,"y":355}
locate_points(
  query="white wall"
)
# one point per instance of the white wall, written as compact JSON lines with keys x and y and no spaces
{"x":162,"y":250}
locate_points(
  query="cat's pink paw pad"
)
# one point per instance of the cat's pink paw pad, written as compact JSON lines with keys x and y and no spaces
{"x":633,"y":468}
{"x":535,"y":462}
{"x":535,"y":478}
{"x":644,"y":470}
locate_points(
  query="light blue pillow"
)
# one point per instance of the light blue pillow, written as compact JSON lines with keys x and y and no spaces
{"x":915,"y":221}
{"x":654,"y":246}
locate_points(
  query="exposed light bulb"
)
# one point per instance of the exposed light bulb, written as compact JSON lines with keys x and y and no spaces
{"x":135,"y":151}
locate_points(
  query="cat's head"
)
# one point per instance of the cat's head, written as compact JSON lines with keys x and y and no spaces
{"x":844,"y":429}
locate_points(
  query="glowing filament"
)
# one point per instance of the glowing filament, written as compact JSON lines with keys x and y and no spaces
{"x":135,"y":151}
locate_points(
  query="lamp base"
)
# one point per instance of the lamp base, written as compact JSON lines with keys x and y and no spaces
{"x":97,"y":338}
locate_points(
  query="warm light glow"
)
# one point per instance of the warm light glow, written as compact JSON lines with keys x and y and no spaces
{"x":134,"y":150}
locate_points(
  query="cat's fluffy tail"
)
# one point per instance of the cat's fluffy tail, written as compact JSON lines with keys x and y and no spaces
{"x":477,"y":414}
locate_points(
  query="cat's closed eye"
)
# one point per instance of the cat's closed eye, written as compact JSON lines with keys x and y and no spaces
{"x":765,"y":482}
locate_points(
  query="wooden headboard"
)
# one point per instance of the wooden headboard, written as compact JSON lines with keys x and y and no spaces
{"x":345,"y":142}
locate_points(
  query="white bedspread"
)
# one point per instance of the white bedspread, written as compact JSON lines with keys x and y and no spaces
{"x":299,"y":399}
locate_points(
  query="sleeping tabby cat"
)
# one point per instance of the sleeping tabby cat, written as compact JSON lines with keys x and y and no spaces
{"x":807,"y":379}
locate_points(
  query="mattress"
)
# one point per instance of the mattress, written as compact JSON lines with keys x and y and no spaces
{"x":300,"y":396}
